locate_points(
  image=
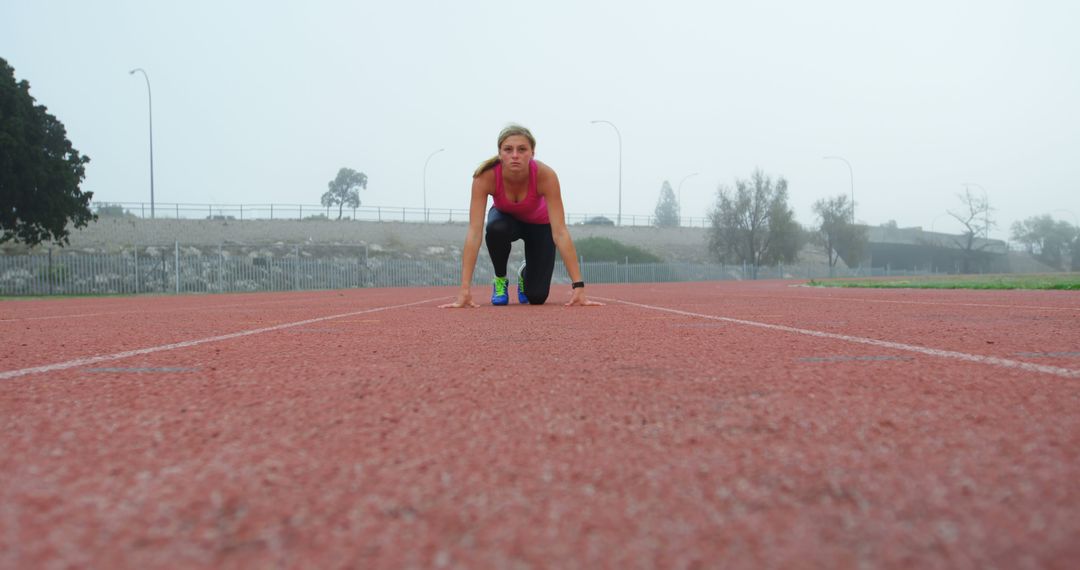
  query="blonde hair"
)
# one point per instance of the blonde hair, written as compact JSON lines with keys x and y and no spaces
{"x":509,"y":131}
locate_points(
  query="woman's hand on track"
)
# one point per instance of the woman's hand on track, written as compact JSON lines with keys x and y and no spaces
{"x":464,"y":300}
{"x":579,"y":300}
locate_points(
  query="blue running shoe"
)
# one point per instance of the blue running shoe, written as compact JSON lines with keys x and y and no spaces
{"x":522,"y":299}
{"x":498,"y":293}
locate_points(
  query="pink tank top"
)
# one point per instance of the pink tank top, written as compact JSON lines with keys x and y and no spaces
{"x":532,"y":209}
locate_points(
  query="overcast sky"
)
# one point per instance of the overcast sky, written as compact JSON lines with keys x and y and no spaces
{"x":259,"y":103}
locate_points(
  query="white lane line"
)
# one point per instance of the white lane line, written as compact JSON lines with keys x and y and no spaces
{"x":117,"y":356}
{"x":989,"y":360}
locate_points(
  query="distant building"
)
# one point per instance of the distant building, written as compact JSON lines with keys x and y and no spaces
{"x":912,"y":249}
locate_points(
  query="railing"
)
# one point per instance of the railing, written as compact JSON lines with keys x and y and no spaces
{"x":240,"y":212}
{"x":181,"y":269}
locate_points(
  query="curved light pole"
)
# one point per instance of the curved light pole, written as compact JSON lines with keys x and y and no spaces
{"x":986,"y":212}
{"x":425,"y":181}
{"x":852,"y":174}
{"x":150,"y":101}
{"x":617,"y":133}
{"x":680,"y":194}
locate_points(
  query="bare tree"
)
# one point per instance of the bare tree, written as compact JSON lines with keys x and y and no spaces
{"x":974,"y":215}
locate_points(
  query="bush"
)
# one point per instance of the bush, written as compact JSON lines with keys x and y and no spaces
{"x":106,"y":210}
{"x":607,"y":249}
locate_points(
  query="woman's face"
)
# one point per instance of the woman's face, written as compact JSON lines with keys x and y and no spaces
{"x":515,"y":153}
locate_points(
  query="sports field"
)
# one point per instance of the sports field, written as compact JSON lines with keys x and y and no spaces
{"x":689,"y":425}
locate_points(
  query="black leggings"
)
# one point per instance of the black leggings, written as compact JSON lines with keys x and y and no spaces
{"x":502,"y":230}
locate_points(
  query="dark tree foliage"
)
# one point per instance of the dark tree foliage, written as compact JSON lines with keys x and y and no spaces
{"x":667,"y":208}
{"x":345,"y":190}
{"x":606,"y":249}
{"x":836,"y":233}
{"x":1055,"y":243}
{"x":40,"y":171}
{"x":754,"y":224}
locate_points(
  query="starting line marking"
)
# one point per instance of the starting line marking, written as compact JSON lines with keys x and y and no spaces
{"x":106,"y":357}
{"x":988,"y":360}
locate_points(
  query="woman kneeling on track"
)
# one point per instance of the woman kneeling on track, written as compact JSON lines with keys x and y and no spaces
{"x":527,"y":206}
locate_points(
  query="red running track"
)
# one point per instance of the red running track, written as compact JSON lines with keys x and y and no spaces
{"x":682,"y":425}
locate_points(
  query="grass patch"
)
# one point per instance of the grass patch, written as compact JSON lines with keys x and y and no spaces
{"x":1060,"y":281}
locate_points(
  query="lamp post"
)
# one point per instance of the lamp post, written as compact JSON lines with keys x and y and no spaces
{"x":680,"y":194}
{"x":425,"y":181}
{"x":986,"y":206}
{"x":851,"y":172}
{"x":150,"y":101}
{"x":617,"y":133}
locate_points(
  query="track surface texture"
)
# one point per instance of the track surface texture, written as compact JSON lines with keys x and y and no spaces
{"x":705,"y":425}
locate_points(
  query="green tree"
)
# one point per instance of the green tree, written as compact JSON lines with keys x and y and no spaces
{"x":754,"y":224}
{"x":836,"y":233}
{"x":667,"y":209}
{"x":40,"y":171}
{"x":974,"y":215}
{"x":1054,"y":243}
{"x":345,"y":190}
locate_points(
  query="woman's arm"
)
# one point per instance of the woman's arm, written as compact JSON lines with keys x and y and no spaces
{"x":473,"y":238}
{"x":548,"y":187}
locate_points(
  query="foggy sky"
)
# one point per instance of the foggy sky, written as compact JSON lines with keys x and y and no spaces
{"x":259,"y":103}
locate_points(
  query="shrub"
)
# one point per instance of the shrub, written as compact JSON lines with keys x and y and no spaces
{"x":607,"y":249}
{"x":106,"y":210}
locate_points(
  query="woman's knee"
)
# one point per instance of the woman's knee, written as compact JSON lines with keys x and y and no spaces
{"x":498,"y":229}
{"x":539,"y":296}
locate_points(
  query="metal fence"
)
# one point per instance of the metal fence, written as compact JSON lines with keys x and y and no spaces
{"x":192,"y":211}
{"x":179,"y":269}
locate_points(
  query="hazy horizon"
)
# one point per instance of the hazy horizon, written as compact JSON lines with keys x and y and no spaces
{"x":263,"y":104}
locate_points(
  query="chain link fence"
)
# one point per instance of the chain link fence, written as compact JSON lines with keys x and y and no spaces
{"x":180,"y":269}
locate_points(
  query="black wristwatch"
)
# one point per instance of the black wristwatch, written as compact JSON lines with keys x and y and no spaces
{"x":578,"y":285}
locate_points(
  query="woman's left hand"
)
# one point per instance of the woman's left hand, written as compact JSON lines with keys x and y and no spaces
{"x":579,"y":300}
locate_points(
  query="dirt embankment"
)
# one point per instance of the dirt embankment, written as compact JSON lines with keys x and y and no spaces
{"x":404,"y":239}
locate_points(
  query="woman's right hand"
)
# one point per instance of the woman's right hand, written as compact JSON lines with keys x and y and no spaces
{"x":464,"y":300}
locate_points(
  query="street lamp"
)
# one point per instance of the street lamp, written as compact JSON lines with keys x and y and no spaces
{"x":986,"y":211}
{"x":425,"y":181}
{"x":680,"y":194}
{"x":150,"y":100}
{"x":852,"y":174}
{"x":617,"y":133}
